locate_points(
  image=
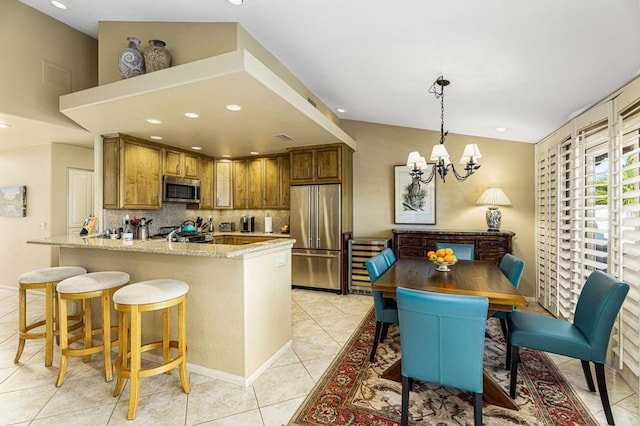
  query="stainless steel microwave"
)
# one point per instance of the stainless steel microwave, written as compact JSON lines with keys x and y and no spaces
{"x":180,"y":190}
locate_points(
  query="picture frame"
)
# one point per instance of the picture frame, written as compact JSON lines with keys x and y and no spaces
{"x":415,"y":202}
{"x":13,"y":201}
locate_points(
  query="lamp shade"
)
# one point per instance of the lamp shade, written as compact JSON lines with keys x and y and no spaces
{"x":494,"y":197}
{"x":471,"y":152}
{"x":438,"y":152}
{"x":415,"y":161}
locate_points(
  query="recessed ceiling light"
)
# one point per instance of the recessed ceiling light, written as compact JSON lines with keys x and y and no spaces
{"x":341,"y":110}
{"x":226,"y":156}
{"x":191,"y":115}
{"x":153,"y":121}
{"x":4,"y":125}
{"x":233,"y":107}
{"x":501,"y":129}
{"x":196,"y":148}
{"x":236,"y":2}
{"x":158,"y":138}
{"x":59,"y":5}
{"x":254,"y":153}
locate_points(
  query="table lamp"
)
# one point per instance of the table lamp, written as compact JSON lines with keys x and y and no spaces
{"x":493,"y":197}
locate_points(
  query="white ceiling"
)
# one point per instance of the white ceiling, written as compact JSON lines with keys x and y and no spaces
{"x":528,"y":65}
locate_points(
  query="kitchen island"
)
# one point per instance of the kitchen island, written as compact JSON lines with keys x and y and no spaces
{"x":239,"y":303}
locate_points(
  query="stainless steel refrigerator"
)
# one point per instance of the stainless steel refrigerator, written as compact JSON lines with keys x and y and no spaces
{"x":316,"y":226}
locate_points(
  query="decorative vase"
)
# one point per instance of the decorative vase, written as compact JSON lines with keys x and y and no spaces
{"x":131,"y":61}
{"x":156,"y":57}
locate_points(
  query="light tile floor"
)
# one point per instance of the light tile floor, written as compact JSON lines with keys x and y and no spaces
{"x":322,"y":322}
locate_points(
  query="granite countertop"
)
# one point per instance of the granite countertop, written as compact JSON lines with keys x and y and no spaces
{"x":161,"y":246}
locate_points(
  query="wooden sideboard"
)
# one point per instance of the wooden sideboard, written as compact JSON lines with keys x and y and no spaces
{"x":487,"y":245}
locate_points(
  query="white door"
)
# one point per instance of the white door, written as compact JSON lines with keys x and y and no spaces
{"x":79,"y":198}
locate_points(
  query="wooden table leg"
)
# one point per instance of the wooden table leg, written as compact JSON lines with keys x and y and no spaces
{"x":492,"y":392}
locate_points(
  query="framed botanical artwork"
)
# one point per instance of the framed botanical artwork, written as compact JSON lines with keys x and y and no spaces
{"x":415,"y":202}
{"x":13,"y":201}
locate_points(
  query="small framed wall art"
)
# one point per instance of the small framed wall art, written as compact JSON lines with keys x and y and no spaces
{"x":415,"y":202}
{"x":13,"y":201}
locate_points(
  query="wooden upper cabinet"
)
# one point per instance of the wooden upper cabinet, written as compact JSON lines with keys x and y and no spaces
{"x":240,"y":178}
{"x":179,"y":163}
{"x":254,"y":183}
{"x":132,"y":174}
{"x":285,"y":181}
{"x":271,"y":182}
{"x":323,"y":164}
{"x":206,"y":168}
{"x":223,"y":172}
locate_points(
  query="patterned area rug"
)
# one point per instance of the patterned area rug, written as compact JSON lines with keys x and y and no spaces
{"x":351,"y":391}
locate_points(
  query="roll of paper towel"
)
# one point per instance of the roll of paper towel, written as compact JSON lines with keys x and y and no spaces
{"x":268,"y":224}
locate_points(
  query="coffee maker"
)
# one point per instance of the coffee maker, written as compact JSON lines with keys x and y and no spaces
{"x":247,"y":223}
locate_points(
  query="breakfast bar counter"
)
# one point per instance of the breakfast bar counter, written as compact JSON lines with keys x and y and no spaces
{"x":239,"y":301}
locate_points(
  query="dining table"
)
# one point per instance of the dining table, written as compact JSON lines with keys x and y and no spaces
{"x":467,"y":277}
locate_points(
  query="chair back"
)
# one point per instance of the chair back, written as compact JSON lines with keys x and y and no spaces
{"x":442,"y":337}
{"x":512,"y":267}
{"x":462,"y":251}
{"x":389,"y":256}
{"x":376,"y":266}
{"x":598,"y":306}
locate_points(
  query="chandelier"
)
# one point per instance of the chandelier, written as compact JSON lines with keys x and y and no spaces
{"x":439,"y":154}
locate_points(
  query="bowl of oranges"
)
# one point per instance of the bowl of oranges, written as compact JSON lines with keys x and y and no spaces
{"x":443,"y":258}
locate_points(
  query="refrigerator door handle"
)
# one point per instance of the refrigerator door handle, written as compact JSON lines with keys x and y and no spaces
{"x":326,"y":256}
{"x":309,"y":214}
{"x":318,"y":216}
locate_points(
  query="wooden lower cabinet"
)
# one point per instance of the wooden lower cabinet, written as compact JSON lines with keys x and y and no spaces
{"x":487,"y":245}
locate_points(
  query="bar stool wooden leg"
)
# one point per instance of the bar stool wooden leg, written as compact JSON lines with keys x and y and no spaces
{"x":134,"y":378}
{"x":22,"y":321}
{"x":48,"y":337}
{"x":166,"y":336}
{"x":64,"y":342}
{"x":182,"y":344}
{"x":121,"y":361}
{"x":106,"y":334}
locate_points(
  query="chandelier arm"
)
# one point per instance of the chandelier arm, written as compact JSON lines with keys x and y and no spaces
{"x":468,"y":168}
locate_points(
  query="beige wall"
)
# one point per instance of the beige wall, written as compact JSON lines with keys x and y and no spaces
{"x":30,"y":167}
{"x":42,"y":40}
{"x":507,"y":164}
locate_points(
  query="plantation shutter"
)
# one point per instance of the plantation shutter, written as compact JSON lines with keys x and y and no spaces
{"x":627,"y":239}
{"x":546,"y":227}
{"x":566,"y":157}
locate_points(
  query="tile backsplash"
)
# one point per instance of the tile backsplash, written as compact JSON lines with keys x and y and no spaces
{"x":176,"y":213}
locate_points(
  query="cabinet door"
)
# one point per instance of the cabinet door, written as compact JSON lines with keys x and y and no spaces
{"x":223,"y":184}
{"x":328,"y":164}
{"x":206,"y":183}
{"x":171,"y":164}
{"x":140,"y":167}
{"x":284,"y":182}
{"x":190,"y":168}
{"x":110,"y":176}
{"x":254,"y":183}
{"x":301,"y":166}
{"x":272,"y":182}
{"x":240,"y":184}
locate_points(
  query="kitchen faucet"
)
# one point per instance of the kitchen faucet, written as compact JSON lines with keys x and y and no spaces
{"x":171,"y":234}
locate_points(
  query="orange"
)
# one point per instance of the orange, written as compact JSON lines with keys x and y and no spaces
{"x":448,"y":250}
{"x":448,"y":258}
{"x":430,"y":253}
{"x":441,"y":253}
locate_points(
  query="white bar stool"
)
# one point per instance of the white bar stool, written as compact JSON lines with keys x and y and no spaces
{"x":47,"y":279}
{"x":85,"y":288}
{"x":131,"y":301}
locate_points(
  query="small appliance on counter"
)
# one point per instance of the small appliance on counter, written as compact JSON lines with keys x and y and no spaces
{"x":227,"y":227}
{"x":247,"y":223}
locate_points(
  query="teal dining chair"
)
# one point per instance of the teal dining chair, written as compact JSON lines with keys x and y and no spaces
{"x":586,"y":339}
{"x":389,"y":256}
{"x":442,"y":340}
{"x":512,"y":268}
{"x":386,"y":310}
{"x":462,"y":251}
